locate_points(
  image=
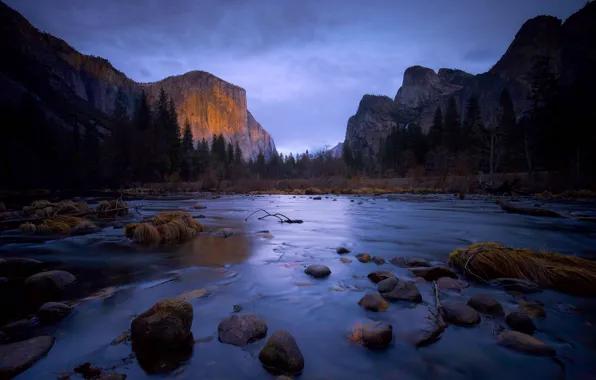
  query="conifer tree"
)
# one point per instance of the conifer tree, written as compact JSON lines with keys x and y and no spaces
{"x":452,"y":126}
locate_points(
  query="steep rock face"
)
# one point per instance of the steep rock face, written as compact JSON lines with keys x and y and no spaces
{"x":337,"y":151}
{"x":79,"y":89}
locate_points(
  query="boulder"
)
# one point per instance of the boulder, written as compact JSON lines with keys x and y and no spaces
{"x":345,"y":260}
{"x":460,"y":314}
{"x":281,"y":354}
{"x":373,"y":302}
{"x":525,"y":343}
{"x":318,"y":270}
{"x":17,"y":357}
{"x":433,"y":273}
{"x":532,"y":308}
{"x":520,"y":322}
{"x":19,"y":267}
{"x":53,"y":311}
{"x":49,"y":286}
{"x":448,"y":283}
{"x":22,"y":329}
{"x":166,"y":324}
{"x":363,"y":257}
{"x":394,"y":289}
{"x":415,"y":262}
{"x":398,"y":261}
{"x":376,"y":334}
{"x":517,"y":285}
{"x":199,"y":206}
{"x":378,"y":260}
{"x":240,"y":330}
{"x":342,"y":250}
{"x":380,"y":275}
{"x":111,"y":376}
{"x":486,"y":304}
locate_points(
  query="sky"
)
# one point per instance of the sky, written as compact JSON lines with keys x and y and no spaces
{"x":305,"y":64}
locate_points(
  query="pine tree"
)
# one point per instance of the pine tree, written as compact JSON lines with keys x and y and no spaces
{"x":187,"y":155}
{"x":91,"y":155}
{"x":435,"y":133}
{"x":238,"y":159}
{"x":472,"y":125}
{"x":451,"y":126}
{"x":173,"y":136}
{"x":143,"y":155}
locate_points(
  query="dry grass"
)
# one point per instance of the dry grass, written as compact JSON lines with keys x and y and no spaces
{"x":60,"y":224}
{"x":113,"y":208}
{"x":568,"y":274}
{"x":168,"y":227}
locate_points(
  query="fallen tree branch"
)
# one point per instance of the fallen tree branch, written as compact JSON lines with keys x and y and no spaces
{"x":276,"y":215}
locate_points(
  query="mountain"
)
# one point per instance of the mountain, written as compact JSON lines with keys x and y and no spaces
{"x":569,"y":48}
{"x":79,"y":89}
{"x":337,"y":151}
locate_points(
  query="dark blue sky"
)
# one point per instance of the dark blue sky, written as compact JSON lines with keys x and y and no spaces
{"x":305,"y":64}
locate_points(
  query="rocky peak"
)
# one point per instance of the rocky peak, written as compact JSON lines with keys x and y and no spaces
{"x":422,"y":86}
{"x":454,"y":76}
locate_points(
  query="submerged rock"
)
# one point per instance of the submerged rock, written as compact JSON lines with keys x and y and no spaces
{"x":85,"y":228}
{"x":49,"y":286}
{"x":316,"y":198}
{"x":460,"y":314}
{"x":345,"y":260}
{"x":19,"y":267}
{"x":281,"y":354}
{"x":517,"y":285}
{"x":380,"y":275}
{"x":394,"y":289}
{"x":318,"y":270}
{"x":486,"y":304}
{"x":53,"y":311}
{"x":434,"y":273}
{"x":240,"y":330}
{"x":378,"y":260}
{"x":375,"y":334}
{"x":448,"y":283}
{"x":363,"y":257}
{"x":532,"y":308}
{"x":373,"y":302}
{"x":415,"y":262}
{"x":520,"y":322}
{"x":165,"y":324}
{"x":525,"y":343}
{"x":342,"y":250}
{"x":17,"y":357}
{"x":398,"y":261}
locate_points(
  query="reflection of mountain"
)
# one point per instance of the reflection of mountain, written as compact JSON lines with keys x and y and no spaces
{"x":74,"y":88}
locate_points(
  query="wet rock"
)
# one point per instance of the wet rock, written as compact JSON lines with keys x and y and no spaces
{"x":199,"y":206}
{"x":240,"y":330}
{"x":17,"y":357}
{"x":378,"y":260}
{"x":460,"y":314}
{"x":433,"y":273}
{"x":318,"y":270}
{"x":88,"y":371}
{"x":165,"y":324}
{"x":532,"y":308}
{"x":53,"y":312}
{"x":415,"y":262}
{"x":225,"y":232}
{"x":398,"y":261}
{"x":111,"y":376}
{"x":486,"y":304}
{"x":517,"y":285}
{"x":118,"y":225}
{"x":124,"y":337}
{"x":430,"y":331}
{"x":376,"y":334}
{"x":49,"y":286}
{"x":19,"y":267}
{"x":373,"y":302}
{"x":160,"y":360}
{"x":316,"y":198}
{"x":85,"y":228}
{"x":201,"y":216}
{"x":394,"y":289}
{"x":363,"y":257}
{"x":448,"y":283}
{"x":21,"y":329}
{"x":342,"y":250}
{"x":345,"y":260}
{"x":520,"y":322}
{"x":238,"y":308}
{"x":380,"y":275}
{"x":281,"y":354}
{"x":525,"y":343}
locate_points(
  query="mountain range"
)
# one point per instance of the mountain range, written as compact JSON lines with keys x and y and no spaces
{"x":78,"y":89}
{"x":569,"y":47}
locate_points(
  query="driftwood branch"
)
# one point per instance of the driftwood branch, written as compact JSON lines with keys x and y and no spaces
{"x":282,"y":218}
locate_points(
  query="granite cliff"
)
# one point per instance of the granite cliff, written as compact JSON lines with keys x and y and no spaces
{"x":75,"y":88}
{"x":569,"y":46}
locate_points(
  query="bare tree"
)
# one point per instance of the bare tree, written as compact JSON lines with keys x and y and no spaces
{"x":492,"y":139}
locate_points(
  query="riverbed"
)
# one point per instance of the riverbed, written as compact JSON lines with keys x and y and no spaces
{"x":260,"y":269}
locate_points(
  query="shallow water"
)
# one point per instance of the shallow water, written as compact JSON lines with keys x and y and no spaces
{"x":264,"y":273}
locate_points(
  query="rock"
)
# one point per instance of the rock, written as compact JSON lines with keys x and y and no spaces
{"x":49,"y":286}
{"x":53,"y":311}
{"x":88,"y":371}
{"x":520,"y":322}
{"x":318,"y":270}
{"x":376,"y":334}
{"x":373,"y":302}
{"x":124,"y":337}
{"x":281,"y":354}
{"x":363,"y":257}
{"x":165,"y":324}
{"x":284,"y":377}
{"x":21,"y":329}
{"x":378,"y":260}
{"x":240,"y":330}
{"x":225,"y":232}
{"x":111,"y":376}
{"x":201,"y":216}
{"x":532,"y":308}
{"x":434,"y":273}
{"x":525,"y":343}
{"x":394,"y":289}
{"x":199,"y":206}
{"x":460,"y":314}
{"x":118,"y":225}
{"x":345,"y":260}
{"x":85,"y":228}
{"x":238,"y":308}
{"x":486,"y":304}
{"x":517,"y":285}
{"x":316,"y":198}
{"x":398,"y":261}
{"x":342,"y":250}
{"x":19,"y":267}
{"x":17,"y":357}
{"x":415,"y":262}
{"x":429,"y":331}
{"x":380,"y":275}
{"x":448,"y":283}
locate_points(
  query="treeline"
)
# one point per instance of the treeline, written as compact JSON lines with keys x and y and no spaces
{"x":553,"y":137}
